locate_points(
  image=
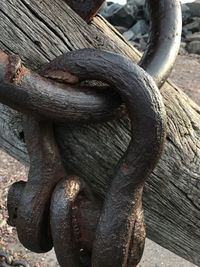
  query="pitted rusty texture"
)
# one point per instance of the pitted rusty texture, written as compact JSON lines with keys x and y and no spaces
{"x":86,"y":9}
{"x":8,"y":261}
{"x":54,"y":209}
{"x":123,"y":202}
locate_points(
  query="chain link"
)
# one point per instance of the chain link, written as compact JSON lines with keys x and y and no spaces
{"x":7,"y":261}
{"x":123,"y":200}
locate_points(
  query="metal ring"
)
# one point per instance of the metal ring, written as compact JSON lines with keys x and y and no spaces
{"x":164,"y":38}
{"x":14,"y":195}
{"x":65,"y":244}
{"x":46,"y":170}
{"x":147,"y":114}
{"x":20,"y":263}
{"x":87,"y":105}
{"x":74,"y":216}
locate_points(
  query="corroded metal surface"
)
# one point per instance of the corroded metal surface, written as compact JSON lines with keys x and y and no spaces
{"x":46,"y":170}
{"x":8,"y":261}
{"x":42,"y":96}
{"x":69,"y":232}
{"x":122,"y":217}
{"x":165,"y":37}
{"x":91,"y":104}
{"x":54,"y":209}
{"x":123,"y":201}
{"x":86,"y":9}
{"x":14,"y":195}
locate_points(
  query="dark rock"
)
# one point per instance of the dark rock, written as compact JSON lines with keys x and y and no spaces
{"x":109,"y":10}
{"x":140,"y":43}
{"x":119,"y":15}
{"x":193,"y":37}
{"x":194,"y":8}
{"x":141,"y":27}
{"x":136,"y":32}
{"x":182,"y":50}
{"x":132,"y":20}
{"x":191,"y":27}
{"x":121,"y":29}
{"x":194,"y":47}
{"x":129,"y":35}
{"x":103,"y":7}
{"x":109,"y":3}
{"x":136,"y":45}
{"x":186,"y":14}
{"x":138,"y":3}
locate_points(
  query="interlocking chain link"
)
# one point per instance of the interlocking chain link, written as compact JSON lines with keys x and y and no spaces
{"x":7,"y":261}
{"x":72,"y":213}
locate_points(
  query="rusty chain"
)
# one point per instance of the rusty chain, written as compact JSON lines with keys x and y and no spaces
{"x":55,"y":209}
{"x":8,"y":261}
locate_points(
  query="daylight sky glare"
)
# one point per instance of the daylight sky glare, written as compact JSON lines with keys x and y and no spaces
{"x":122,"y":2}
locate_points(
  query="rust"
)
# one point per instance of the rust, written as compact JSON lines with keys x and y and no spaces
{"x":9,"y":65}
{"x":86,"y":9}
{"x":63,"y":229}
{"x":21,"y":72}
{"x":164,"y":38}
{"x":91,"y":105}
{"x":50,"y":211}
{"x":123,"y":201}
{"x":4,"y":63}
{"x":46,"y":170}
{"x":31,"y":93}
{"x":14,"y":195}
{"x":15,"y":65}
{"x":130,"y":252}
{"x":62,"y":76}
{"x":11,"y":68}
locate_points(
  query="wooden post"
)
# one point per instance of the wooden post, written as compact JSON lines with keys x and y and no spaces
{"x":41,"y":30}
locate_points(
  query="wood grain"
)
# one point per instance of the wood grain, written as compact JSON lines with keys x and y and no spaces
{"x":41,"y":30}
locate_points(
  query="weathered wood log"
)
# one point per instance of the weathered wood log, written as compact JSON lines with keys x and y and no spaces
{"x":41,"y":30}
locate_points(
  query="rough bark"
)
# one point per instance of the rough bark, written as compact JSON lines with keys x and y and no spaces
{"x":41,"y":30}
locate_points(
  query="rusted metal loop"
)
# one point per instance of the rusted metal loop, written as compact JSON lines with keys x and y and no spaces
{"x":20,"y":263}
{"x":122,"y":213}
{"x":14,"y":195}
{"x":86,"y":9}
{"x":165,"y":35}
{"x":164,"y":40}
{"x":4,"y":264}
{"x":62,"y":223}
{"x":74,"y":216}
{"x":4,"y":257}
{"x":7,"y":261}
{"x":35,"y":94}
{"x":46,"y":170}
{"x":32,"y":94}
{"x":32,"y":215}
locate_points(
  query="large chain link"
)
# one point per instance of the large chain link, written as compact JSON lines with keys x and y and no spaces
{"x":54,"y":209}
{"x":7,"y":261}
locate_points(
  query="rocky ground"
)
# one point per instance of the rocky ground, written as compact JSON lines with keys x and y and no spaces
{"x":186,"y":75}
{"x":132,"y":21}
